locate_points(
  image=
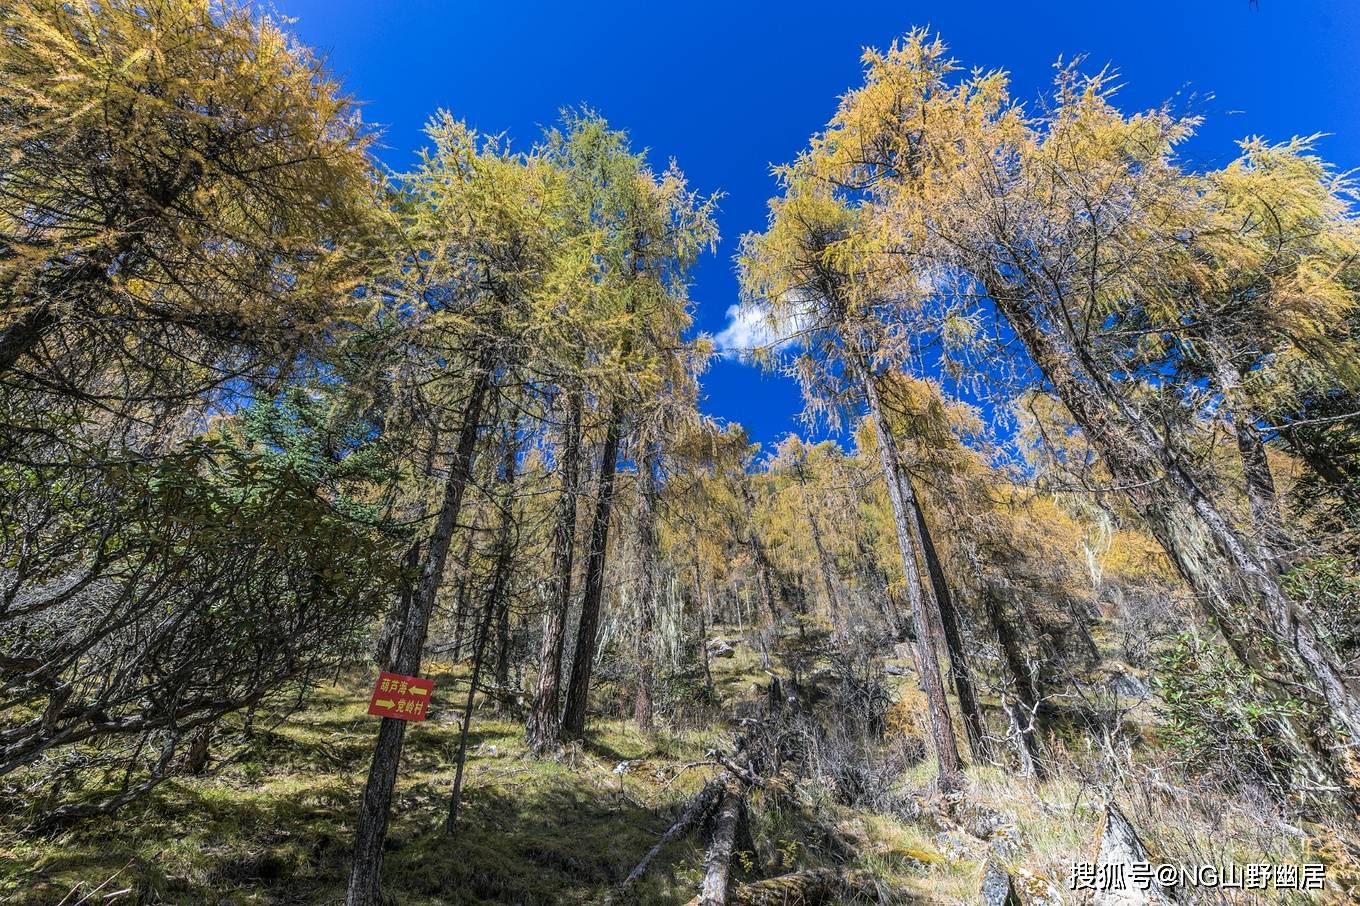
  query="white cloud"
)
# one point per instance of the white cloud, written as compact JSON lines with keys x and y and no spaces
{"x":748,"y":328}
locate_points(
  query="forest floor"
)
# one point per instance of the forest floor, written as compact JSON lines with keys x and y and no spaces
{"x":274,"y":826}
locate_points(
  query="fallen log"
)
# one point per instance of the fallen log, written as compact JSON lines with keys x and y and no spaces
{"x":699,"y":807}
{"x":718,"y":864}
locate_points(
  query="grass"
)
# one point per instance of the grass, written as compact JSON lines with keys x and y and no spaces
{"x":275,"y":826}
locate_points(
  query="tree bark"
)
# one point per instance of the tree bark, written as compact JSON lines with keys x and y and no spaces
{"x":959,"y":667}
{"x":543,"y":730}
{"x":366,"y":866}
{"x":583,"y":662}
{"x":718,"y":864}
{"x":903,"y":500}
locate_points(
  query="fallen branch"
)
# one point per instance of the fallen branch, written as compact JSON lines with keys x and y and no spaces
{"x":694,"y":813}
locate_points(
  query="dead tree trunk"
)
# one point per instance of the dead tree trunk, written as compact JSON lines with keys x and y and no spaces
{"x":1023,"y":710}
{"x":543,"y":730}
{"x":698,"y":809}
{"x":718,"y":864}
{"x":366,"y":866}
{"x":959,"y":667}
{"x":583,"y":662}
{"x":903,"y":500}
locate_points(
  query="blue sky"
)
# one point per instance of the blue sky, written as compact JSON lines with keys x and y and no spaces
{"x":728,"y":88}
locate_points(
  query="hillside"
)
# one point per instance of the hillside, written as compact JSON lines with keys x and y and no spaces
{"x":272,"y":822}
{"x":384,"y":537}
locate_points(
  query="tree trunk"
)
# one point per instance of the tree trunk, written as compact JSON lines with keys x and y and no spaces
{"x":647,"y":594}
{"x":764,"y":571}
{"x":825,"y":566}
{"x":959,"y":667}
{"x":902,"y":499}
{"x":196,"y":762}
{"x":703,"y":635}
{"x":462,"y":607}
{"x":718,"y":864}
{"x":1021,"y":712}
{"x":698,"y":808}
{"x":1260,"y":484}
{"x":496,"y":604}
{"x":366,"y":867}
{"x":502,"y":673}
{"x":543,"y":731}
{"x":583,"y":662}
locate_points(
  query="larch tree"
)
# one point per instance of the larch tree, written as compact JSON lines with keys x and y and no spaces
{"x":1061,"y":223}
{"x":487,"y":256}
{"x":655,"y":228}
{"x":185,"y":198}
{"x":802,"y":273}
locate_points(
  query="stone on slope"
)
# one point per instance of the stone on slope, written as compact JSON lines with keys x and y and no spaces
{"x":1120,"y":847}
{"x":997,"y":887}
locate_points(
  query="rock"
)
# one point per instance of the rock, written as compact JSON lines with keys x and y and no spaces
{"x":980,"y":821}
{"x":956,"y":846}
{"x":1129,"y":686}
{"x":1121,"y":846}
{"x":1004,"y":844}
{"x":1034,"y":890}
{"x":997,"y":887}
{"x":721,"y":648}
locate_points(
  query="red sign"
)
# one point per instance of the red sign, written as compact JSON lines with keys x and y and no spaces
{"x":402,"y":697}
